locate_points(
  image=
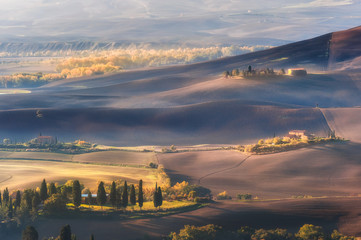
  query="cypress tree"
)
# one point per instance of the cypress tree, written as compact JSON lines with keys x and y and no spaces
{"x":101,"y":195}
{"x":65,"y":233}
{"x":10,"y":208}
{"x":90,"y":198}
{"x":35,"y":201}
{"x":118,"y":198}
{"x":155,"y":196}
{"x":43,"y":191}
{"x":140,"y":194}
{"x":76,"y":193}
{"x":30,"y":233}
{"x":17,"y":199}
{"x":132,"y":199}
{"x":125,"y":195}
{"x":113,"y":194}
{"x":92,"y":237}
{"x":52,"y":189}
{"x":0,"y":199}
{"x":6,"y":196}
{"x":160,"y":197}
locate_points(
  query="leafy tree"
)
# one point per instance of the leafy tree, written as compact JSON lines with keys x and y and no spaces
{"x":27,"y":198}
{"x":208,"y":232}
{"x":76,"y":193}
{"x":43,"y":191}
{"x":17,"y":199}
{"x":310,"y":232}
{"x":140,"y":194}
{"x":30,"y":233}
{"x":125,"y":195}
{"x":52,"y":189}
{"x":6,"y":196}
{"x":65,"y":233}
{"x":55,"y":204}
{"x":101,"y":195}
{"x":113,"y":194}
{"x":132,"y":198}
{"x":35,"y":201}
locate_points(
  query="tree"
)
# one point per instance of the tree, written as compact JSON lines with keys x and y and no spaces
{"x":65,"y":233}
{"x":101,"y":195}
{"x":43,"y":191}
{"x":55,"y":204}
{"x":118,"y":198}
{"x":140,"y":194}
{"x":30,"y":233}
{"x":52,"y":189}
{"x":125,"y":195}
{"x":132,"y":198}
{"x":160,"y":197}
{"x":249,"y":68}
{"x":0,"y":199}
{"x":35,"y":201}
{"x":92,"y":237}
{"x":310,"y":232}
{"x":17,"y":199}
{"x":76,"y":193}
{"x":10,"y":208}
{"x":155,"y":196}
{"x":90,"y":198}
{"x":113,"y":194}
{"x":6,"y":196}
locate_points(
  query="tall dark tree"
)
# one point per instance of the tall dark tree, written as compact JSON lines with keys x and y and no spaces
{"x":65,"y":233}
{"x":113,"y":194}
{"x":35,"y":201}
{"x":101,"y":195}
{"x":132,"y":198}
{"x":92,"y":237}
{"x":0,"y":199}
{"x":52,"y":189}
{"x":10,"y":208}
{"x":30,"y":233}
{"x":160,"y":197}
{"x":6,"y":196}
{"x":90,"y":198}
{"x":17,"y":199}
{"x":43,"y":191}
{"x":155,"y":196}
{"x":76,"y":193}
{"x":125,"y":195}
{"x":118,"y":198}
{"x":140,"y":194}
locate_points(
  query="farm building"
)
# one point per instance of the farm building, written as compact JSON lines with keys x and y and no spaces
{"x":44,"y":140}
{"x":299,"y":72}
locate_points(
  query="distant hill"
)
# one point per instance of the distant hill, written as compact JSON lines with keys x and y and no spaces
{"x":194,"y":104}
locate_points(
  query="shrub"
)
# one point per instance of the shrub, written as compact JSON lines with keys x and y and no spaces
{"x":55,"y":204}
{"x":246,"y":196}
{"x":310,"y":232}
{"x":223,"y":196}
{"x":208,"y":232}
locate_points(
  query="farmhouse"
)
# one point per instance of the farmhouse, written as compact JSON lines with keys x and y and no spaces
{"x":44,"y":140}
{"x":298,"y":72}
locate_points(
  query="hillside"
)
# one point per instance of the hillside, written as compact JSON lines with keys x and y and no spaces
{"x":190,"y":104}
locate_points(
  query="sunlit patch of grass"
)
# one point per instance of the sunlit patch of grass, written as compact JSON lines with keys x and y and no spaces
{"x":14,"y":91}
{"x":147,"y":206}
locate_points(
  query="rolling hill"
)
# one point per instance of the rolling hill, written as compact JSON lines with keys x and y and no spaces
{"x":193,"y":104}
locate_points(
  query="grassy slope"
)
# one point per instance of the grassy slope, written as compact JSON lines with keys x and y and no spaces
{"x":21,"y":173}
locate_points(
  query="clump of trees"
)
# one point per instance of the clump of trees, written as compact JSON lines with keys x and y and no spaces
{"x":215,"y":232}
{"x":251,"y":72}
